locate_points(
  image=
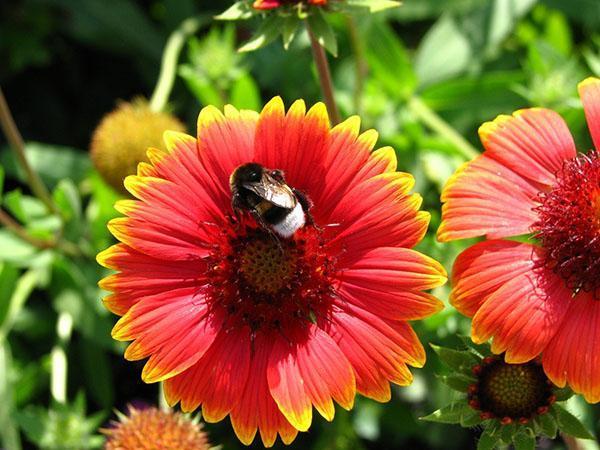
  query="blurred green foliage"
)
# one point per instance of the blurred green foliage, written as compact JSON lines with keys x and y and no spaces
{"x":423,"y":75}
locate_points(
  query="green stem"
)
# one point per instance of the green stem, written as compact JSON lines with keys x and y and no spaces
{"x":162,"y":400}
{"x":16,"y":142}
{"x":168,"y":68}
{"x":9,"y":433}
{"x":361,"y":66}
{"x":433,"y":121}
{"x":324,"y":76}
{"x":58,"y":356}
{"x":21,"y":232}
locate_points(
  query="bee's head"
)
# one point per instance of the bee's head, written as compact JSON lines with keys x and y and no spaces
{"x":247,"y":173}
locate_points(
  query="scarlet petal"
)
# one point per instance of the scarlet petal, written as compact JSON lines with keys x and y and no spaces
{"x":589,"y":90}
{"x":395,"y":268}
{"x":283,"y":377}
{"x":532,"y":142}
{"x":394,"y":305}
{"x":523,"y":315}
{"x":225,"y":141}
{"x":378,"y":350}
{"x":326,"y":373}
{"x":217,"y":380}
{"x":572,"y":355}
{"x":171,"y":327}
{"x":349,"y":162}
{"x":484,"y":197}
{"x":483,"y":268}
{"x":256,"y":407}
{"x":294,"y":142}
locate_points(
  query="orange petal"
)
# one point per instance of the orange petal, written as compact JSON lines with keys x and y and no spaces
{"x":589,"y":90}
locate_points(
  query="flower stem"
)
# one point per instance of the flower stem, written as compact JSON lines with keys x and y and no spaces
{"x":58,"y":378}
{"x":16,"y":142}
{"x":361,"y":66}
{"x":324,"y":76}
{"x":18,"y":230}
{"x":433,"y":121}
{"x":168,"y":67}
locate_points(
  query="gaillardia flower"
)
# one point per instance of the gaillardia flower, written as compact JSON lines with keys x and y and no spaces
{"x":153,"y":429}
{"x":246,"y":323}
{"x":541,"y":297}
{"x":121,"y":139}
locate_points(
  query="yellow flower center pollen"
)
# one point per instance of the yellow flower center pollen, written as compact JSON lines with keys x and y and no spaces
{"x":268,"y":265}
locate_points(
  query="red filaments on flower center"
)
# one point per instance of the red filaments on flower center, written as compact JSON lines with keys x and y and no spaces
{"x":569,"y":224}
{"x":270,"y":283}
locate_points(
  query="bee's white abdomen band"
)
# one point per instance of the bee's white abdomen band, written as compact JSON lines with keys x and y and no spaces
{"x":292,"y":222}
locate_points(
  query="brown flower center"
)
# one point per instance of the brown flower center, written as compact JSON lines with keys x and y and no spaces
{"x":568,"y":224}
{"x":267,"y":264}
{"x":510,"y":391}
{"x":265,"y":282}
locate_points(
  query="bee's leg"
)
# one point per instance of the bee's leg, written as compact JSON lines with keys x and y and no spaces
{"x":306,"y":204}
{"x":266,"y":227}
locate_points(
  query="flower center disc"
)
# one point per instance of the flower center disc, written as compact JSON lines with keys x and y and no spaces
{"x":569,"y":224}
{"x":267,"y":264}
{"x":268,"y":283}
{"x":512,"y":390}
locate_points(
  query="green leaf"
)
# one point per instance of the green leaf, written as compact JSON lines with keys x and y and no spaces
{"x":266,"y":33}
{"x":524,"y":441}
{"x":487,"y":441}
{"x":8,"y":280}
{"x":323,"y":32}
{"x":563,"y":394}
{"x":451,"y":413}
{"x":470,"y":418}
{"x":23,"y":288}
{"x":547,"y":425}
{"x":373,"y":6}
{"x":290,"y":26}
{"x":461,"y":361}
{"x":66,"y":196}
{"x":240,"y":10}
{"x":389,"y":61}
{"x":25,"y":208}
{"x":245,"y":93}
{"x":51,"y":162}
{"x":457,"y":381}
{"x":569,"y":424}
{"x":1,"y":182}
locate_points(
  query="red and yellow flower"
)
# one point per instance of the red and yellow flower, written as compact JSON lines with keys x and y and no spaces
{"x":262,"y":328}
{"x":273,"y":4}
{"x":539,"y":297}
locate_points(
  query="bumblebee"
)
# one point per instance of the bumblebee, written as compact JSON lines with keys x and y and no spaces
{"x":264,"y":193}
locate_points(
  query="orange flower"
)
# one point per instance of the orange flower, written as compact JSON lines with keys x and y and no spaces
{"x":153,"y":429}
{"x":532,"y":298}
{"x":246,"y":323}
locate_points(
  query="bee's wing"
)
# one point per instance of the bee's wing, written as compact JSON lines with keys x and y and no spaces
{"x":273,"y":191}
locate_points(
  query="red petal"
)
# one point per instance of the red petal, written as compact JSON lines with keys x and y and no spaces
{"x":256,"y":407}
{"x":483,"y":268}
{"x":217,"y":380}
{"x":172,"y":327}
{"x":326,"y":373}
{"x":225,"y":141}
{"x":589,"y":90}
{"x":288,"y":391}
{"x":484,"y":197}
{"x":532,"y":142}
{"x":573,"y":355}
{"x":400,"y":305}
{"x":378,"y":350}
{"x":294,"y":142}
{"x":387,"y":268}
{"x":523,"y":315}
